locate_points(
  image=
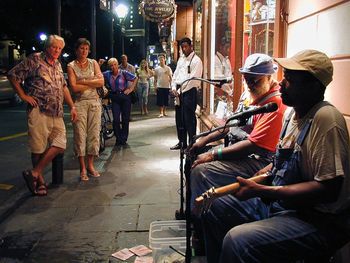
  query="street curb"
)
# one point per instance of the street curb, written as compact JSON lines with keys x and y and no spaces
{"x":11,"y":204}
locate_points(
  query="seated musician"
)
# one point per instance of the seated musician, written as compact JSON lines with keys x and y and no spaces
{"x":254,"y":150}
{"x":257,"y":140}
{"x":302,"y":211}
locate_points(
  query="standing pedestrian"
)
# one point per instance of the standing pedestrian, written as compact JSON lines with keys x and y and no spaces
{"x":84,"y":76}
{"x":47,"y":89}
{"x":188,"y":66}
{"x":121,"y":83}
{"x":144,"y":74}
{"x":125,"y":65}
{"x":162,"y":81}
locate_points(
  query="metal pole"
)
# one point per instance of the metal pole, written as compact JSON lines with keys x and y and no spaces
{"x":122,"y":39}
{"x":111,"y":29}
{"x":57,"y":7}
{"x":93,"y":28}
{"x":57,"y":169}
{"x":57,"y":162}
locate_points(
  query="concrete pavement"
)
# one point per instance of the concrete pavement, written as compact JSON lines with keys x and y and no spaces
{"x":88,"y":221}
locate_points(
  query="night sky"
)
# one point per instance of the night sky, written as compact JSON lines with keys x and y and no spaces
{"x":23,"y":20}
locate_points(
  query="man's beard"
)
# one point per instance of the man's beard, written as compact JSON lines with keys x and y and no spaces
{"x":260,"y":90}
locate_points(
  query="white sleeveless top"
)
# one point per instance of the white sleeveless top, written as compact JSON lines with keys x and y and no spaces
{"x":86,"y":73}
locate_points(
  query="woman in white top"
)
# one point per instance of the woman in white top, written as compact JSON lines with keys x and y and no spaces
{"x":84,"y":76}
{"x":143,"y":74}
{"x":162,"y":81}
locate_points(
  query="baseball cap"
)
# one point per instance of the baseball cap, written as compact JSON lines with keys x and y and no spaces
{"x":258,"y":64}
{"x":313,"y":61}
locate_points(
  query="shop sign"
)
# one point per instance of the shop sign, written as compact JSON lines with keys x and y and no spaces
{"x":158,"y":10}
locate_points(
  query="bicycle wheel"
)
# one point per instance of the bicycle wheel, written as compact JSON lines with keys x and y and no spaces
{"x":108,"y":131}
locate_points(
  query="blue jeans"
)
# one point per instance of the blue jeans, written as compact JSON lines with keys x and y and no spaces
{"x":220,"y":173}
{"x":142,"y":91}
{"x":253,"y":231}
{"x":121,"y":108}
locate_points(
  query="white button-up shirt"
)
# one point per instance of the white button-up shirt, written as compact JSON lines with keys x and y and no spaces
{"x":181,"y":73}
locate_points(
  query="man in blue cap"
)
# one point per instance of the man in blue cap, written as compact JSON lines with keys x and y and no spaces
{"x":251,"y":147}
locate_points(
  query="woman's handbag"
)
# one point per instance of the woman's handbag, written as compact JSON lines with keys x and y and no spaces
{"x":102,"y":92}
{"x":134,"y":97}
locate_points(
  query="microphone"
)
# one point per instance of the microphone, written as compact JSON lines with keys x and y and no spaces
{"x":221,"y":81}
{"x":269,"y":107}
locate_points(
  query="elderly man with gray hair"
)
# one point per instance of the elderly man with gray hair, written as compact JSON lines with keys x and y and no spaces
{"x":47,"y":89}
{"x":252,"y":146}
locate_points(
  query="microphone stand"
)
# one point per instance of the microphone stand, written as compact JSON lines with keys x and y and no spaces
{"x":179,"y":214}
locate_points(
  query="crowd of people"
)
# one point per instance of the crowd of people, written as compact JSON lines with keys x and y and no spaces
{"x":278,"y":190}
{"x":46,"y":88}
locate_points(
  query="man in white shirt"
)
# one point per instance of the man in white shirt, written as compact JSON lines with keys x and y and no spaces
{"x":162,"y":81}
{"x":188,"y":66}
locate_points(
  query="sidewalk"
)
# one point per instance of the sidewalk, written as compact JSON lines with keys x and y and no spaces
{"x":88,"y":221}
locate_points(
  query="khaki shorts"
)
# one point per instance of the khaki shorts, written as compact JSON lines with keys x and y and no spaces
{"x":45,"y":131}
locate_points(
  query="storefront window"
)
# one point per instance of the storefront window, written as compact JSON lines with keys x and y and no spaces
{"x":223,"y":15}
{"x":259,"y":26}
{"x":197,"y":44}
{"x":258,"y":30}
{"x":198,"y":27}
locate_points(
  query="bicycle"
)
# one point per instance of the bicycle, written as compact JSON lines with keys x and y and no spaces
{"x":106,"y":131}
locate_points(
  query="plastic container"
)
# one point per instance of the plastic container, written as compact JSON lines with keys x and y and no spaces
{"x":166,"y":234}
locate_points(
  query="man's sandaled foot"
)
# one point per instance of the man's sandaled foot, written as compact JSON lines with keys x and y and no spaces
{"x":30,"y":180}
{"x":41,"y":190}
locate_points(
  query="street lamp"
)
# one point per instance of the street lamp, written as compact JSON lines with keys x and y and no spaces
{"x":42,"y":36}
{"x":121,"y":11}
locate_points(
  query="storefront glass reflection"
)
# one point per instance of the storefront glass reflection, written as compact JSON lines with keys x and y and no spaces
{"x":259,"y":18}
{"x":222,"y":59}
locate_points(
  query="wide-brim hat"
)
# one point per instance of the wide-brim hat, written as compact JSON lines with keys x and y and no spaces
{"x":259,"y":64}
{"x":313,"y":61}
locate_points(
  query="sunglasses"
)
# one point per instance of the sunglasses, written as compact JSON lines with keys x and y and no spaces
{"x":252,"y":80}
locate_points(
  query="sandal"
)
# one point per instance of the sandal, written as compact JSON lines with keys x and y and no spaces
{"x":94,"y":173}
{"x":30,"y":181}
{"x":84,"y":177}
{"x":41,"y":190}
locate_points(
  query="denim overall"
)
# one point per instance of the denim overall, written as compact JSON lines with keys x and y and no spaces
{"x":287,"y":161}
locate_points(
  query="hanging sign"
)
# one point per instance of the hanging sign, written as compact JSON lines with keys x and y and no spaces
{"x":157,"y":10}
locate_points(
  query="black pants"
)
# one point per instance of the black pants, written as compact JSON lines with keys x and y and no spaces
{"x":185,"y":116}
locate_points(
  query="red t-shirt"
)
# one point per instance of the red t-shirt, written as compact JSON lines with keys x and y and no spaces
{"x":267,"y":126}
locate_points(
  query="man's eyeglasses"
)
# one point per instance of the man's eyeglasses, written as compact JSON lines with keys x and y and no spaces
{"x":252,"y":80}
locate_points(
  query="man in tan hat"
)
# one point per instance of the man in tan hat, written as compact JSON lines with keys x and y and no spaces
{"x":306,"y":204}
